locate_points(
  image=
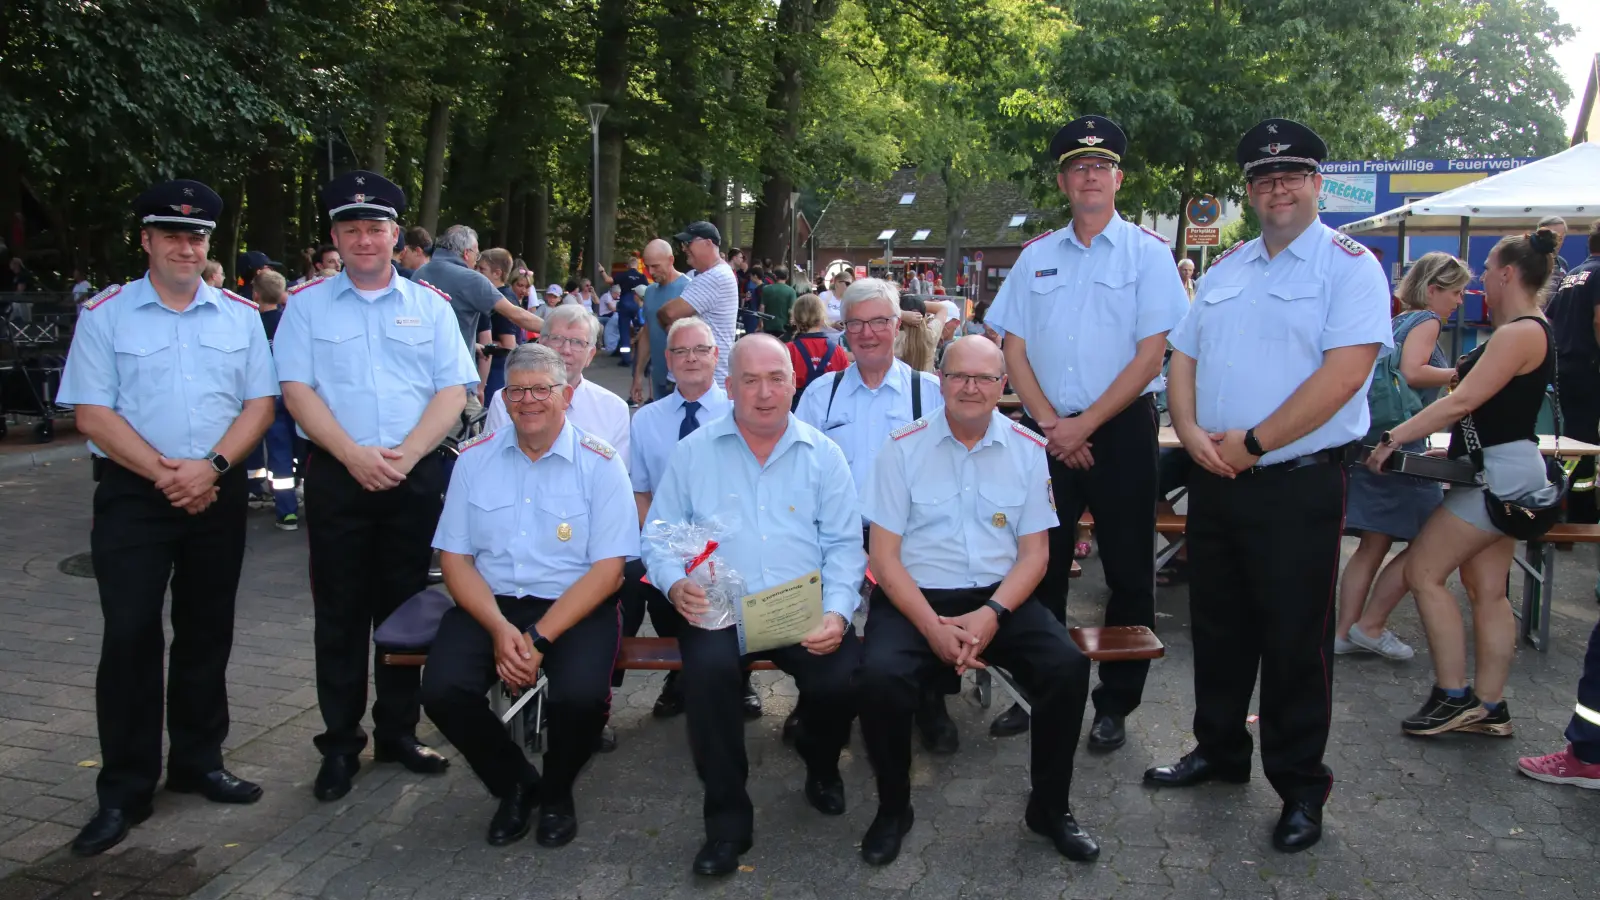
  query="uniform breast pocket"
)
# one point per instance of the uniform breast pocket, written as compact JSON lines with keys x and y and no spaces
{"x":935,"y":504}
{"x":565,"y":523}
{"x":1000,"y":505}
{"x":339,"y":354}
{"x":1219,"y":316}
{"x":224,"y":353}
{"x":144,"y":362}
{"x":410,"y":349}
{"x":1290,"y":312}
{"x":1112,"y":297}
{"x":492,"y":519}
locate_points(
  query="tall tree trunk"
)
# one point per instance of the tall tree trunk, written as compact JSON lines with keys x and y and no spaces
{"x":378,"y":138}
{"x":263,"y":190}
{"x":433,"y":165}
{"x":310,"y":216}
{"x":612,"y":64}
{"x":799,"y":22}
{"x":721,"y":210}
{"x":955,"y":216}
{"x":537,"y":234}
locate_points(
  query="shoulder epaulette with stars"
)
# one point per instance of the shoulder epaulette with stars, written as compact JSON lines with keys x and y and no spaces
{"x":911,"y":428}
{"x":1224,"y":254}
{"x":435,"y":290}
{"x":102,"y":297}
{"x":1153,"y":234}
{"x":598,"y":446}
{"x":1348,"y":244}
{"x":305,"y":284}
{"x":1030,"y":434}
{"x":1037,"y":238}
{"x":482,"y":438}
{"x":238,"y":299}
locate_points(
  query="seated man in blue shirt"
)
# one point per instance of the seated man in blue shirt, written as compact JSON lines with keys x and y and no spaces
{"x":534,"y":582}
{"x":784,"y":493}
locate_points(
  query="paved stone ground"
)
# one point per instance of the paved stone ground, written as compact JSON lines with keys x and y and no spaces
{"x":1408,"y":818}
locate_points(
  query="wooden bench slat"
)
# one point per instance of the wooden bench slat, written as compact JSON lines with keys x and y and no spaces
{"x":1572,"y":533}
{"x":1171,"y":523}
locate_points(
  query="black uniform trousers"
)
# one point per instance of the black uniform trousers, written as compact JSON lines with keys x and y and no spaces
{"x":638,"y":598}
{"x":461,"y":671}
{"x":1031,"y":645}
{"x":1263,"y":562}
{"x":713,"y":688}
{"x":1580,"y":420}
{"x":1120,"y":490}
{"x":369,"y":553}
{"x":140,"y":544}
{"x":1582,"y":731}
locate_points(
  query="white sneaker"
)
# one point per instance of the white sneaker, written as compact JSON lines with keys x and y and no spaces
{"x":1385,"y":645}
{"x":1343,"y":646}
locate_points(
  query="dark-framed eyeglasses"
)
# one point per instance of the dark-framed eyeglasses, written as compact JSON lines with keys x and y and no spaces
{"x":540,"y":392}
{"x":855,"y":326}
{"x":1291,"y":181}
{"x":966,"y":378}
{"x":699,"y":351}
{"x":555,"y":342}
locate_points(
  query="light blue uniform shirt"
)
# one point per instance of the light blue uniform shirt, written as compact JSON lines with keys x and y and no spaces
{"x":937,"y":495}
{"x":862,"y":418}
{"x":1259,"y":328}
{"x":655,"y":429}
{"x":1084,"y":310}
{"x":794,"y":515}
{"x":508,"y":512}
{"x":376,"y":363}
{"x":179,"y":378}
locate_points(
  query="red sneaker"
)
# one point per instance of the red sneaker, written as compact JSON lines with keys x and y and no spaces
{"x":1561,"y":768}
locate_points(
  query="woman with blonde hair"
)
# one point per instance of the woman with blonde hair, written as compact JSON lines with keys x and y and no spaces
{"x":916,"y":342}
{"x":1381,"y":510}
{"x":815,"y":349}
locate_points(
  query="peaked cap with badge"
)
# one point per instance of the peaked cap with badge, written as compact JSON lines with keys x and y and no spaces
{"x":1280,"y":145}
{"x":363,"y":195}
{"x":181,"y":205}
{"x":1089,"y":136}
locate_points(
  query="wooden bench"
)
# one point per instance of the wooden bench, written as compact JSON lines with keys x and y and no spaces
{"x":1538,"y":579}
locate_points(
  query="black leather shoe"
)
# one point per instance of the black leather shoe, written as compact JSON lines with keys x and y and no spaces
{"x":881,"y":844}
{"x":1107,"y":733}
{"x":752,"y":700}
{"x":333,"y":779}
{"x":1013,"y":721}
{"x":939,"y":735}
{"x":558,"y":825}
{"x":791,"y":727}
{"x":108,"y":828}
{"x":670,"y":703}
{"x":1191,"y":770}
{"x":826,"y":794}
{"x":1298,"y":828}
{"x":220,"y":786}
{"x":719,"y":857}
{"x":413,"y":754}
{"x":606,"y":740}
{"x":511,"y":821}
{"x":1064,"y":831}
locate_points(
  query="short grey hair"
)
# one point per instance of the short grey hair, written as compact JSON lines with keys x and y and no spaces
{"x":569,"y":313}
{"x":868,"y":289}
{"x":532,"y":357}
{"x":1549,"y":221}
{"x":690,"y":322}
{"x":456,"y":239}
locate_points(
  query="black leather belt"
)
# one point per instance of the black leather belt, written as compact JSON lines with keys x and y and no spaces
{"x":1334,"y":456}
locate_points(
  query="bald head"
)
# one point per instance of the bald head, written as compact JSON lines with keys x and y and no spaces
{"x":758,"y":353}
{"x":761,"y":385}
{"x":658,"y":261}
{"x":973,"y":354}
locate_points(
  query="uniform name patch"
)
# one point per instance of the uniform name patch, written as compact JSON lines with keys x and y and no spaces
{"x":1044,"y":273}
{"x":408,"y":322}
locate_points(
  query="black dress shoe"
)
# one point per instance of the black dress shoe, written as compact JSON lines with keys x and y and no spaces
{"x":606,"y":740}
{"x":1012,"y":722}
{"x":791,"y":727}
{"x":108,"y":828}
{"x":1064,"y":831}
{"x":1299,"y":827}
{"x":881,"y":844}
{"x":413,"y":754}
{"x":939,"y":735}
{"x":558,"y":825}
{"x":670,"y":703}
{"x":719,"y":857}
{"x":752,"y":700}
{"x":1107,"y":733}
{"x":220,"y":786}
{"x":333,"y":779}
{"x":826,"y":794}
{"x":1191,"y":770}
{"x":511,"y":821}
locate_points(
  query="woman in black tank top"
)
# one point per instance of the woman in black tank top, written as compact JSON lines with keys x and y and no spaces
{"x":1501,"y":385}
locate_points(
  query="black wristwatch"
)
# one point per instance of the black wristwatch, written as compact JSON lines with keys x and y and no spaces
{"x":540,"y":642}
{"x":1386,"y":439}
{"x":219,"y":463}
{"x":1253,"y":445}
{"x":1000,"y":611}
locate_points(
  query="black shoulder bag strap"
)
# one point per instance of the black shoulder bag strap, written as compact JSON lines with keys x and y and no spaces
{"x":833,"y":392}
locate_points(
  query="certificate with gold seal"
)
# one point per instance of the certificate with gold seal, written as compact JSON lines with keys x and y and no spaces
{"x":780,"y":616}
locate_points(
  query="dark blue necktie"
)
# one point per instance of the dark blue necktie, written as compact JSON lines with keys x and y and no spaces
{"x":690,"y":407}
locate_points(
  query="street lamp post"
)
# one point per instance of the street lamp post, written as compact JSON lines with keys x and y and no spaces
{"x":596,"y":111}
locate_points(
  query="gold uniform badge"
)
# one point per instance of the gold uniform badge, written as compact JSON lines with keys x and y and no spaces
{"x":999,"y":520}
{"x":564,"y":532}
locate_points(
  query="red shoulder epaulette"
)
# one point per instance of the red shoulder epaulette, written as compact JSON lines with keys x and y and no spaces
{"x":475,"y":442}
{"x":102,"y":297}
{"x":908,"y":429}
{"x":598,"y":446}
{"x":1348,"y":244}
{"x":1224,"y":254}
{"x":1035,"y":239}
{"x":238,"y":299}
{"x":305,"y":284}
{"x":1158,"y":237}
{"x":435,"y":290}
{"x":1030,"y":434}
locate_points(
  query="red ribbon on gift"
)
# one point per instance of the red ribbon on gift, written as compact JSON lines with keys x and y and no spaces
{"x":711,"y":547}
